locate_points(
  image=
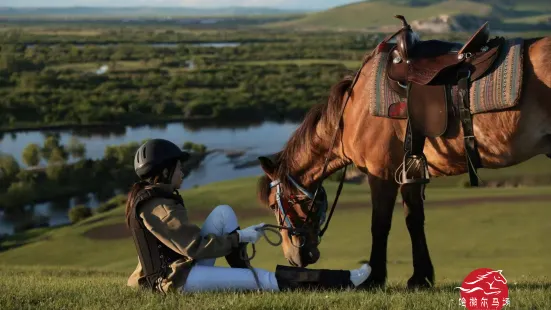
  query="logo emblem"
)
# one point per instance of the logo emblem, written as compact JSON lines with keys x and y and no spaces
{"x":484,"y":289}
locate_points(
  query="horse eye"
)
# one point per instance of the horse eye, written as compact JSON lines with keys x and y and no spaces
{"x":273,"y":207}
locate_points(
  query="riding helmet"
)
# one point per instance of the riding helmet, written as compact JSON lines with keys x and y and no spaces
{"x":155,"y":154}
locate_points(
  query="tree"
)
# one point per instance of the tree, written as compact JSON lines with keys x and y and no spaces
{"x":9,"y":168}
{"x":31,"y":155}
{"x":76,"y":148}
{"x":57,"y":156}
{"x":188,"y":146}
{"x":50,"y":143}
{"x":56,"y":165}
{"x":79,"y":213}
{"x":199,"y":148}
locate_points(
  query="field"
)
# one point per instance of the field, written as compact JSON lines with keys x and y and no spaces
{"x":367,"y":14}
{"x":86,"y":265}
{"x":375,"y":15}
{"x":157,"y":70}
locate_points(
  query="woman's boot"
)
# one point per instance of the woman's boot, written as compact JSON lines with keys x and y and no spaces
{"x":292,"y":278}
{"x":235,"y":258}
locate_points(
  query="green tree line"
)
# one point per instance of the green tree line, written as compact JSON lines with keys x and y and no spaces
{"x":60,"y":178}
{"x":42,"y":84}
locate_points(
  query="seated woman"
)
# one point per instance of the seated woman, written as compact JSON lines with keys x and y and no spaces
{"x":175,"y":255}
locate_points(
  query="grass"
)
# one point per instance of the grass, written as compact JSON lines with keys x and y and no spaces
{"x":529,"y":19}
{"x":63,"y":268}
{"x":378,"y":14}
{"x":369,"y":14}
{"x":122,"y":65}
{"x":352,"y":64}
{"x":480,"y":233}
{"x":49,"y":288}
{"x":66,"y":32}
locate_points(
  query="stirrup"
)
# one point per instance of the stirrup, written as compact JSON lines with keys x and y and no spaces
{"x":424,"y":178}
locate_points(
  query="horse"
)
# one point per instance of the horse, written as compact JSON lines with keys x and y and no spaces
{"x":344,"y":130}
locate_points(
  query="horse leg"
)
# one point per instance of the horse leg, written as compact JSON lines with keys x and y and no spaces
{"x":423,"y":271}
{"x":383,"y":197}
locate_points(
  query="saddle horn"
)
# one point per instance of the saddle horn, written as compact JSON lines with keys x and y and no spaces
{"x":405,"y":24}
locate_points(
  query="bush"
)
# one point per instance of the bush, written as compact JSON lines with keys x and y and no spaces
{"x":79,"y":213}
{"x":119,"y":200}
{"x":199,"y":148}
{"x":188,"y":146}
{"x":104,"y":207}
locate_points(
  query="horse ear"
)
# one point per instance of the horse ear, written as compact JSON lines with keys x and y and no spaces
{"x":268,"y":166}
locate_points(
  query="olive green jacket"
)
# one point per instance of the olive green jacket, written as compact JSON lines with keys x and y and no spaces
{"x":167,"y":220}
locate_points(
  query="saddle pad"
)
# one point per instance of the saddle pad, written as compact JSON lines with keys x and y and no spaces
{"x":501,"y":88}
{"x":379,"y":95}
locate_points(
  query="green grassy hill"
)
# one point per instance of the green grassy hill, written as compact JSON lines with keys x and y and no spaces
{"x":377,"y":13}
{"x":85,"y":266}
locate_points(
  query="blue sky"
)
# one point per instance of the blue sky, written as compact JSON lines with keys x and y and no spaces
{"x":313,"y":4}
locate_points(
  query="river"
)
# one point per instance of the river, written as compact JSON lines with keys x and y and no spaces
{"x":254,"y":140}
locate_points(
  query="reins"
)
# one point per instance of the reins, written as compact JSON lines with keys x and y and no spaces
{"x":326,"y":164}
{"x":290,"y":228}
{"x":245,"y":256}
{"x":333,"y":140}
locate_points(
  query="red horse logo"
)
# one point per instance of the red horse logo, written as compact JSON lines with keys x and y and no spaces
{"x":484,"y":288}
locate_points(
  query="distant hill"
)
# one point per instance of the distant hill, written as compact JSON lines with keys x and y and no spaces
{"x":79,"y":12}
{"x":378,"y":15}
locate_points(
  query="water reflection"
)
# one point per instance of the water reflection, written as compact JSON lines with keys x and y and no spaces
{"x":249,"y":139}
{"x":100,"y":131}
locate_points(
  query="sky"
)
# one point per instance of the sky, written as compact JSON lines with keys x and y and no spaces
{"x":294,"y":4}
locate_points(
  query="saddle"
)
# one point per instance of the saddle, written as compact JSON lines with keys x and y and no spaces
{"x":435,"y":77}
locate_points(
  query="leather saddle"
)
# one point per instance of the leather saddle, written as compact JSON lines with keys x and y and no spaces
{"x":425,"y":72}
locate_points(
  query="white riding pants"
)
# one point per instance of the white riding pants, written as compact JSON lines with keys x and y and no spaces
{"x":204,"y":276}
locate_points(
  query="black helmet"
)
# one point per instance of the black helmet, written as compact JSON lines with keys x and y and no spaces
{"x":154,"y":154}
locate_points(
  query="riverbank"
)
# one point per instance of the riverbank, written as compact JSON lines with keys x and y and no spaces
{"x":26,"y":193}
{"x":196,"y":122}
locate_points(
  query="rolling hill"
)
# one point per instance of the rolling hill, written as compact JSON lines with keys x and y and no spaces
{"x":378,"y":15}
{"x":146,"y":11}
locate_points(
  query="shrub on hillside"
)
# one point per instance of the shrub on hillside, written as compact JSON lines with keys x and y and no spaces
{"x":106,"y":206}
{"x":79,"y":213}
{"x":119,"y":200}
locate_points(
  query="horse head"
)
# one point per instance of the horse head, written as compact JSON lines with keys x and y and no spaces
{"x":299,"y":217}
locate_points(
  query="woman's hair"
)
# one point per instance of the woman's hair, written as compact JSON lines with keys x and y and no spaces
{"x":139,"y":186}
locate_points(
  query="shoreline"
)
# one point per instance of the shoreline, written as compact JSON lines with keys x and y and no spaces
{"x":199,"y":121}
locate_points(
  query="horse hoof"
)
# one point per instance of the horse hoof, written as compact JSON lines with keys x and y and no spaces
{"x":415,"y":283}
{"x":549,"y":155}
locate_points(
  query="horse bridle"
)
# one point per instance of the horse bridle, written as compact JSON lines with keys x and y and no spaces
{"x":297,"y":231}
{"x":320,"y":210}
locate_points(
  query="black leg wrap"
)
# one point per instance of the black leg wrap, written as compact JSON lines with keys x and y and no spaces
{"x":235,"y":258}
{"x":293,"y":278}
{"x":549,"y":155}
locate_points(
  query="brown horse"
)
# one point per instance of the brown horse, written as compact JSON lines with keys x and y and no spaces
{"x":376,"y":146}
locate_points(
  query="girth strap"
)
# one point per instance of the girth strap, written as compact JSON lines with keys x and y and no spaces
{"x":471,"y":150}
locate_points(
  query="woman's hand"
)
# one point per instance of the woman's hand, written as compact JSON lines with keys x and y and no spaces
{"x":250,"y":234}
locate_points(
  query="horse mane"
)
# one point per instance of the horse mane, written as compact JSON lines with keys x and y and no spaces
{"x":318,"y":124}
